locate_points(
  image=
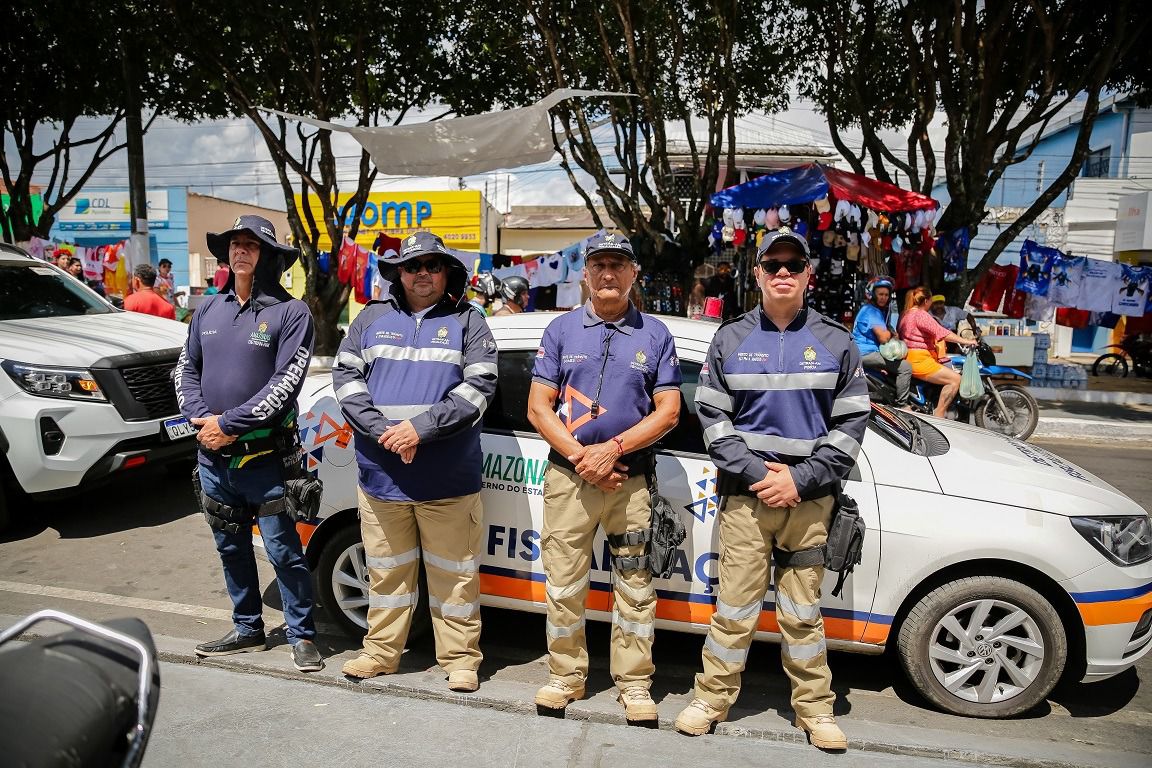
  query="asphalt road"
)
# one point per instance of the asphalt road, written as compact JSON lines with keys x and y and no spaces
{"x":139,"y":548}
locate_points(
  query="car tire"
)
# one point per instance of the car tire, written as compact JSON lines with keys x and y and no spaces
{"x":338,"y":572}
{"x":962,"y":633}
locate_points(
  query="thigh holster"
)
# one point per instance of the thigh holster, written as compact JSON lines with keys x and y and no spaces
{"x":222,"y":517}
{"x":630,"y":539}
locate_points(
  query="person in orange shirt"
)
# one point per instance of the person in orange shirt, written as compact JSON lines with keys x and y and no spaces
{"x":144,"y":297}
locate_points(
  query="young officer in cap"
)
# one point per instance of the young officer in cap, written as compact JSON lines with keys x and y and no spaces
{"x":414,"y":376}
{"x":238,"y":377}
{"x":605,"y":387}
{"x":784,"y":404}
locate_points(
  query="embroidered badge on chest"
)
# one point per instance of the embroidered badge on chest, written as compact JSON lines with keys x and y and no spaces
{"x":809,"y":362}
{"x":441,"y":335}
{"x":260,"y":337}
{"x":641,"y":361}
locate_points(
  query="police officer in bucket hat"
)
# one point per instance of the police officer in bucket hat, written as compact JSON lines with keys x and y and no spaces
{"x":237,"y":379}
{"x":414,"y":376}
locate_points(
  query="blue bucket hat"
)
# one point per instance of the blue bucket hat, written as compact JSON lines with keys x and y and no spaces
{"x":261,"y":229}
{"x":425,"y":243}
{"x":610,"y":242}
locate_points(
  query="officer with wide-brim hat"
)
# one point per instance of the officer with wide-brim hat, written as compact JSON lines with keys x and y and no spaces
{"x":260,"y":228}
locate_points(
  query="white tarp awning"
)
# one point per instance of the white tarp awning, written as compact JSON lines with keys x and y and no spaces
{"x":461,"y":146}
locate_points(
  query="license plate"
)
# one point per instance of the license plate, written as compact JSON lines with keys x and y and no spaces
{"x":179,"y":428}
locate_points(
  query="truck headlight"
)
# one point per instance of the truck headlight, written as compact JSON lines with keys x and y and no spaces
{"x":52,"y":381}
{"x":1123,"y":540}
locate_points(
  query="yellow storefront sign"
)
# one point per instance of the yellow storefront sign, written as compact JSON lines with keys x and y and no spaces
{"x":456,"y":216}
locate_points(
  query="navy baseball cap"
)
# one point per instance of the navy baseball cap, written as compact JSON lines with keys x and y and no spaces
{"x":610,"y":243}
{"x":779,"y":237}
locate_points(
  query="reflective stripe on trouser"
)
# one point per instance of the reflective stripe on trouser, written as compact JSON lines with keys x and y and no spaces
{"x":748,"y":530}
{"x":448,"y":532}
{"x":573,"y":509}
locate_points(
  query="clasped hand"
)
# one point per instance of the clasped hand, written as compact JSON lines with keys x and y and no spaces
{"x":402,"y":439}
{"x":210,"y":434}
{"x":777,"y":489}
{"x":596,"y":464}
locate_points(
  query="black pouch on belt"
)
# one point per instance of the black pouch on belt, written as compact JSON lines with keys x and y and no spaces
{"x":843,"y":550}
{"x":302,"y":496}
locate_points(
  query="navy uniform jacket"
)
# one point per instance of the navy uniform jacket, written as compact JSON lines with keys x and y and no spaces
{"x":795,"y":396}
{"x":245,"y":364}
{"x":439,"y":372}
{"x":641,"y":362}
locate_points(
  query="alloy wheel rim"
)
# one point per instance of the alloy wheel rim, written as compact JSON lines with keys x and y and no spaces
{"x":350,"y":584}
{"x":986,"y":651}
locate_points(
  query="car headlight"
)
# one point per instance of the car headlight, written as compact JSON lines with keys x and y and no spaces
{"x":1123,"y":540}
{"x":52,"y":381}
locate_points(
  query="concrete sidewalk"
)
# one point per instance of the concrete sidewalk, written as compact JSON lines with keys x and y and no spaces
{"x":503,"y":689}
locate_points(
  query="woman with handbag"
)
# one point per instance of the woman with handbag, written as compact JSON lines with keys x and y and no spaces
{"x":920,"y":331}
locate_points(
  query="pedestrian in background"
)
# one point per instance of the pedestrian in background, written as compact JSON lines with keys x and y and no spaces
{"x":413,"y":376}
{"x":784,"y":405}
{"x":144,"y":298}
{"x":238,"y":377}
{"x":605,"y":387}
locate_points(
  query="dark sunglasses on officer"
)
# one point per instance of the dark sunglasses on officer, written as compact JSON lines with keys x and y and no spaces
{"x":794,"y":265}
{"x":433,"y":266}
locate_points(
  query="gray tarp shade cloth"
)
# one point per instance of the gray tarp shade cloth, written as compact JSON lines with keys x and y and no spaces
{"x":461,"y":146}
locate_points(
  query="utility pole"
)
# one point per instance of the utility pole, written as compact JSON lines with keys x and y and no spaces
{"x":139,"y":248}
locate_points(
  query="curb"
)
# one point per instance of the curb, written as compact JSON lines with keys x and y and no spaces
{"x":1060,"y":428}
{"x":1091,"y":396}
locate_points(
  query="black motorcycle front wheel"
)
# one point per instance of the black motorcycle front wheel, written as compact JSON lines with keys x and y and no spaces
{"x":1023,"y":412}
{"x":1110,"y":365}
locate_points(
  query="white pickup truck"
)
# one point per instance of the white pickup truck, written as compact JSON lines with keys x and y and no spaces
{"x":85,"y":389}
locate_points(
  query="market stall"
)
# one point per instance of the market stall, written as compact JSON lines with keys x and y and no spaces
{"x":857,"y":228}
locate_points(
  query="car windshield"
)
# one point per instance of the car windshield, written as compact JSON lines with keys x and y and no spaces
{"x":38,"y":290}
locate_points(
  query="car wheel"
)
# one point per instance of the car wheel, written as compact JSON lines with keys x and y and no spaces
{"x":343,"y":583}
{"x":983,"y":646}
{"x":1022,"y":417}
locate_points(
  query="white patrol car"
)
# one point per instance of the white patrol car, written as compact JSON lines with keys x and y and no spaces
{"x":992,"y":566}
{"x":85,"y":388}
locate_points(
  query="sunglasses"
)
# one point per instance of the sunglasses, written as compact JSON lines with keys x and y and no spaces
{"x":413,"y":267}
{"x":794,"y":266}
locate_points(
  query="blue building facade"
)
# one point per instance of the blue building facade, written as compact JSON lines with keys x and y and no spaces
{"x":1109,"y":154}
{"x":100,"y":216}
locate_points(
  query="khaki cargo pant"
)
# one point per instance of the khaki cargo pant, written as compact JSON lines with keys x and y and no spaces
{"x":748,"y":530}
{"x":448,"y":531}
{"x":573,"y":509}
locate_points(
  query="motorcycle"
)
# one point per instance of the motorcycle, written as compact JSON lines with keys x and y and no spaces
{"x":1133,"y":352}
{"x":1003,"y":407}
{"x":86,"y":697}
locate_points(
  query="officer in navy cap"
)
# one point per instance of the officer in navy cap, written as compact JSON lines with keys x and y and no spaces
{"x":605,"y":387}
{"x":238,"y":376}
{"x":784,"y":405}
{"x":414,"y":376}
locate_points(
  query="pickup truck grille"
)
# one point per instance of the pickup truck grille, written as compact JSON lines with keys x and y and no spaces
{"x":151,"y":387}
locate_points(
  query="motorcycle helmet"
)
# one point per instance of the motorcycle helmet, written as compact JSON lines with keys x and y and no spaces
{"x":513,"y":286}
{"x":880,"y":281}
{"x":486,"y":285}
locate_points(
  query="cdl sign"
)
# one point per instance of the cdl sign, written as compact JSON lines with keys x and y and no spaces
{"x":390,"y":214}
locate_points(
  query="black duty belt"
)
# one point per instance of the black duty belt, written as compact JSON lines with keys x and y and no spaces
{"x":641,"y":462}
